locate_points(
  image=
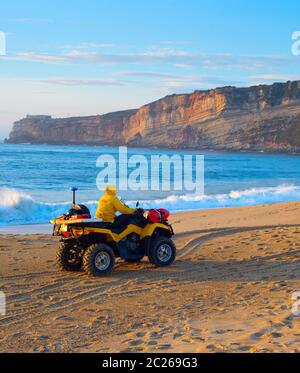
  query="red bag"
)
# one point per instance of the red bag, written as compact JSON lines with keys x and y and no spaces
{"x":158,"y":216}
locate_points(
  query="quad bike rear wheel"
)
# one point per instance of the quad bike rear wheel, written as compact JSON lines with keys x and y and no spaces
{"x":162,"y":252}
{"x":98,"y":259}
{"x":68,"y":258}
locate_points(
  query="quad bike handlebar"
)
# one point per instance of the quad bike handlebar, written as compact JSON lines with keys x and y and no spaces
{"x":140,"y":211}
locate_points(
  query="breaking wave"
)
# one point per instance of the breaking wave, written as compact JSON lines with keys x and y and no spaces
{"x":20,"y":208}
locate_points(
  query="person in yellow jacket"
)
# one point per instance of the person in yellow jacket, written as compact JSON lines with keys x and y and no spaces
{"x":109,"y":204}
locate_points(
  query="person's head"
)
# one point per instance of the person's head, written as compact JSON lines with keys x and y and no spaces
{"x":110,"y":189}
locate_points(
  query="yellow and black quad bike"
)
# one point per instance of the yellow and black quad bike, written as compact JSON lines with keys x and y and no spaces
{"x":94,"y":245}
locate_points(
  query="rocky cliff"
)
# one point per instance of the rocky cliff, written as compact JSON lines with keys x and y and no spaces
{"x":259,"y":118}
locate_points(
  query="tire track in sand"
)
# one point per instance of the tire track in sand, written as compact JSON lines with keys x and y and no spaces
{"x":115,"y":288}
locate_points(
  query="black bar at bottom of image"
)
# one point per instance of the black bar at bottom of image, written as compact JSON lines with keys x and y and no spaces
{"x":137,"y":361}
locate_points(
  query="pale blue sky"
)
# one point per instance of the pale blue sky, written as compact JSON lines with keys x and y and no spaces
{"x":68,"y":58}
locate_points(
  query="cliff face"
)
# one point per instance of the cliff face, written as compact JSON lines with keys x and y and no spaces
{"x":256,"y":118}
{"x":36,"y":129}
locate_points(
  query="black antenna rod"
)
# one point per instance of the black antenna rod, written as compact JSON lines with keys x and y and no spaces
{"x":74,"y":189}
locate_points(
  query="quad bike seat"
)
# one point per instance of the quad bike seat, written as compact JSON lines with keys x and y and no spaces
{"x":122,"y":221}
{"x":103,"y":225}
{"x":118,"y":226}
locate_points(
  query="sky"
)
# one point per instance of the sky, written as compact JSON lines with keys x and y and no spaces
{"x":74,"y":57}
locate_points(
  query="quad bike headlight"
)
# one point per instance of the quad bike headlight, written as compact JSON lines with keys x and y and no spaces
{"x":64,"y":228}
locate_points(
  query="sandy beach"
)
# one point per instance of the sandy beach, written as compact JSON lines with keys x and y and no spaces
{"x":230,"y":290}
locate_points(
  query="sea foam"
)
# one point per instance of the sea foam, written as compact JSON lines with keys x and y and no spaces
{"x":20,"y":208}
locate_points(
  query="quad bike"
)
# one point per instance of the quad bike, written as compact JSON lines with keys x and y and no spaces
{"x":94,"y":244}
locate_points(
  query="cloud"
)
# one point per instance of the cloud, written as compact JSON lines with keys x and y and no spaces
{"x":184,"y":65}
{"x":32,"y":20}
{"x":82,"y":81}
{"x":175,"y":42}
{"x":191,"y":83}
{"x":159,"y":82}
{"x":150,"y":75}
{"x":35,"y":57}
{"x":279,"y":77}
{"x":178,"y":80}
{"x":180,"y":58}
{"x":169,"y":53}
{"x":165,"y":56}
{"x":89,"y":46}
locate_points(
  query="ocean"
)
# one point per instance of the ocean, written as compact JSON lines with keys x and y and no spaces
{"x":35,"y":181}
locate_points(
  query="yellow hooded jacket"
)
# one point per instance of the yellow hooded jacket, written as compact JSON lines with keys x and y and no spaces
{"x":108,"y":205}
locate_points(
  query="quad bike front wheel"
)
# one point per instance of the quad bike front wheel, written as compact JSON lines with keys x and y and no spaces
{"x":98,"y":259}
{"x":68,"y":258}
{"x":162,"y":252}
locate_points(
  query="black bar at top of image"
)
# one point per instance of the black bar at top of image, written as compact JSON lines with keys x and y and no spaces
{"x":141,"y":361}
